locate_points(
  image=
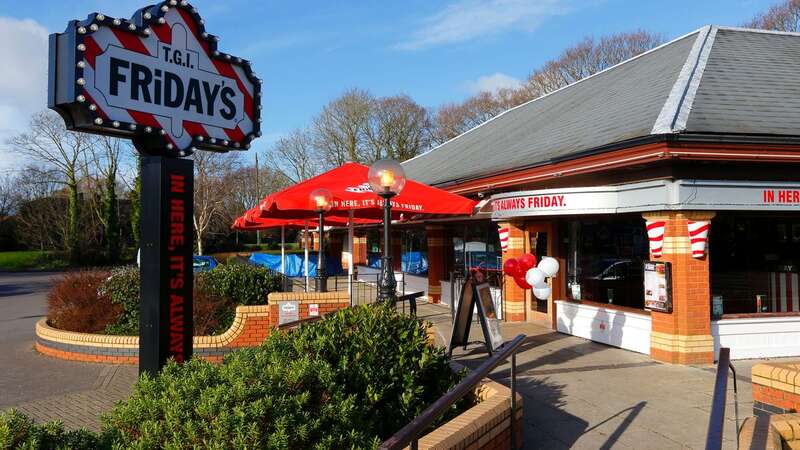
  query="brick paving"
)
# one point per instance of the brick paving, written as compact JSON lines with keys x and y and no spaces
{"x":83,"y":409}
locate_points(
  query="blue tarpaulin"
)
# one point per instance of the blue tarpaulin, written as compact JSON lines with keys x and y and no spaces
{"x":415,"y":263}
{"x":294,"y":263}
{"x":203,"y":263}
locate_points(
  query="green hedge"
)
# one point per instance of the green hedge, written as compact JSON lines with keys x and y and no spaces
{"x":18,"y":431}
{"x":349,"y":381}
{"x":233,"y":284}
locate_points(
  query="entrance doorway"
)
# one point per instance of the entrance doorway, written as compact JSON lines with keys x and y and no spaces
{"x":538,"y":242}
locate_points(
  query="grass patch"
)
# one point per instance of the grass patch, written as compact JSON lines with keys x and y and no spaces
{"x":31,"y":260}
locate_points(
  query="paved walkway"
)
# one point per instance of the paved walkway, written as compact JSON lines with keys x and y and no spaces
{"x":581,"y":394}
{"x":47,"y":388}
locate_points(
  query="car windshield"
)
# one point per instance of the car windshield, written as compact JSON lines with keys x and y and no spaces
{"x":600,"y":267}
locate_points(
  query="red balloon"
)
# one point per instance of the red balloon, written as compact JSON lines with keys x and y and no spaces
{"x":511,"y":268}
{"x":521,"y":282}
{"x":526,"y":262}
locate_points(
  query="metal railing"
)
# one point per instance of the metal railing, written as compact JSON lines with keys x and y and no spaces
{"x":716,"y":421}
{"x":363,"y":287}
{"x":410,"y":434}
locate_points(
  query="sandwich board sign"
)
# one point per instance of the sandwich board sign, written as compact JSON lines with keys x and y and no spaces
{"x":160,"y":80}
{"x":475,"y":296}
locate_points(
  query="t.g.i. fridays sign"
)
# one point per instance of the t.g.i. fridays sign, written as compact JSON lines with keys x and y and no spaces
{"x":157,"y":78}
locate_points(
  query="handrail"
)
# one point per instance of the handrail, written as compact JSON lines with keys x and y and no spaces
{"x":296,"y":323}
{"x":410,"y":433}
{"x":716,"y":421}
{"x":412,"y":301}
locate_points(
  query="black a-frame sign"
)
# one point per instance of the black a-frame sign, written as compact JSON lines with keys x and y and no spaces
{"x":473,"y":294}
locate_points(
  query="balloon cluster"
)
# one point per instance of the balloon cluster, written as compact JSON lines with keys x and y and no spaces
{"x":528,"y":275}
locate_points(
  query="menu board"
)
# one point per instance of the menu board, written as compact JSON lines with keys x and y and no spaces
{"x":492,"y":323}
{"x":658,"y":286}
{"x":472,"y":295}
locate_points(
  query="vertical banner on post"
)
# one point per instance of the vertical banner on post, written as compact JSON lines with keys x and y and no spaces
{"x":166,"y":271}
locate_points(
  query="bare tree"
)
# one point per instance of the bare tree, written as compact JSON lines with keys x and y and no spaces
{"x":61,"y":152}
{"x":340,"y":128}
{"x":399,"y":128}
{"x":9,"y":195}
{"x":781,"y":17}
{"x":456,"y":118}
{"x":211,"y":171}
{"x":104,"y":159}
{"x":585,"y":58}
{"x":295,"y":156}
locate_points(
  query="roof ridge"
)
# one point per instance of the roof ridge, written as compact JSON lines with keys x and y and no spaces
{"x":640,"y":55}
{"x":675,"y":112}
{"x":757,"y":30}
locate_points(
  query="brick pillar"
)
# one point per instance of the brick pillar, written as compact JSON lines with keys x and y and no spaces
{"x":315,"y":241}
{"x":435,"y":237}
{"x":360,"y":248}
{"x":513,"y":295}
{"x":303,"y":239}
{"x":684,"y":336}
{"x":397,"y":249}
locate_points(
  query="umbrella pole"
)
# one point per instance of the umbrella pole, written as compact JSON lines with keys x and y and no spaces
{"x":350,"y":256}
{"x":305,"y":262}
{"x":283,"y":250}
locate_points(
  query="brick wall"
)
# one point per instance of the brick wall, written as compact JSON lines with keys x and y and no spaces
{"x":435,"y":238}
{"x":484,"y":426}
{"x":683,"y":336}
{"x":251,"y":325}
{"x":513,"y":295}
{"x":776,"y":388}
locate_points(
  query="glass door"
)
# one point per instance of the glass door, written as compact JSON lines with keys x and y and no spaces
{"x":538,"y":242}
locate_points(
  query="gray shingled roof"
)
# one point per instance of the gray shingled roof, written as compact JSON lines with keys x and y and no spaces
{"x":713,"y":80}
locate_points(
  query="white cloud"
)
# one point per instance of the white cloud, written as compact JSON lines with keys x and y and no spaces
{"x":23,"y":90}
{"x":465,"y":20}
{"x":492,"y":83}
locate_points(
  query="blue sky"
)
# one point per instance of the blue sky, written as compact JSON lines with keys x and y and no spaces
{"x":309,"y":52}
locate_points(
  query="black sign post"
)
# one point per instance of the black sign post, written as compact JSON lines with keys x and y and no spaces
{"x":167,"y":240}
{"x":160,"y":80}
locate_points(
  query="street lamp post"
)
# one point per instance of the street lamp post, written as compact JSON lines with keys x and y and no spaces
{"x":387,"y":179}
{"x":321,"y":202}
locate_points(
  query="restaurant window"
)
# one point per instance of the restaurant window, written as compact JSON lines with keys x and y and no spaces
{"x":476,"y":245}
{"x":754,"y":263}
{"x":604,"y":259}
{"x":415,"y":251}
{"x":414,"y":248}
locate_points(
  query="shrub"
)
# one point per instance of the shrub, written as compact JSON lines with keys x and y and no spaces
{"x":76,"y":303}
{"x":348,"y":381}
{"x":19,"y":431}
{"x":123,"y":289}
{"x":212,"y":314}
{"x":245,"y":284}
{"x":99,"y":301}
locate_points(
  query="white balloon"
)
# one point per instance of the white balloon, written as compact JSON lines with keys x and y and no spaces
{"x":542,"y":293}
{"x":534,"y":276}
{"x":549,"y":266}
{"x":541,"y":285}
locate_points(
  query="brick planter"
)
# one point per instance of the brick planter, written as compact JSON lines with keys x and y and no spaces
{"x":251,"y":325}
{"x":484,"y":426}
{"x":776,"y":388}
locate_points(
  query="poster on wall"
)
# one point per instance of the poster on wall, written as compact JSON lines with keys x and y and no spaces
{"x":658,"y":286}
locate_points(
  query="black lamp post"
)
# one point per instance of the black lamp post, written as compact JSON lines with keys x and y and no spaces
{"x":321,"y":202}
{"x":387,"y":179}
